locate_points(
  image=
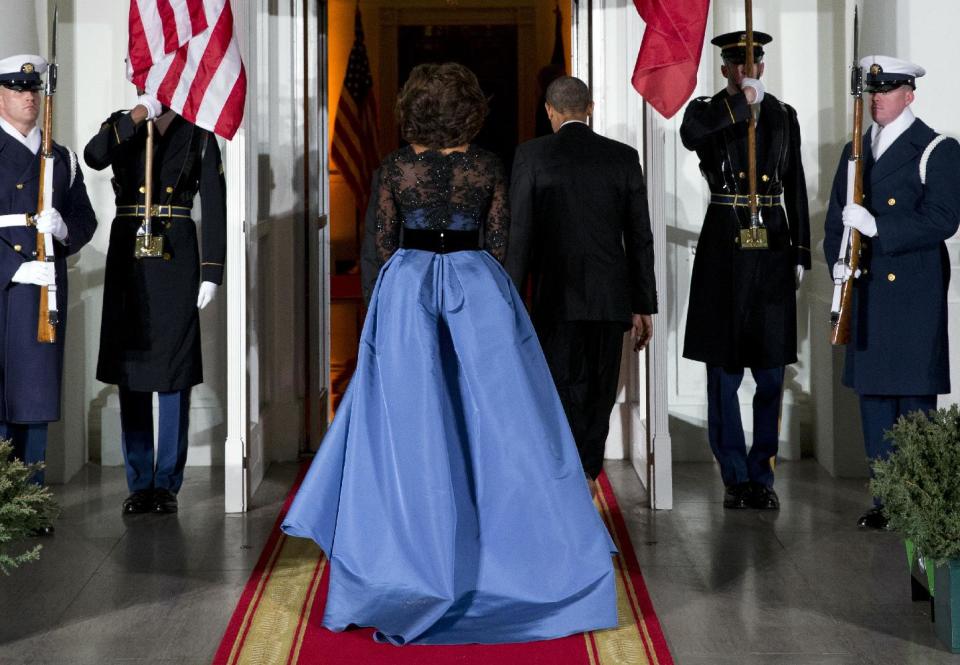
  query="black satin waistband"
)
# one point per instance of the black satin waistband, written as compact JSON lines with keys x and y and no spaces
{"x":441,"y":242}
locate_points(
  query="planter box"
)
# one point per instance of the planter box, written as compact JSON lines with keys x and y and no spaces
{"x":946,"y":600}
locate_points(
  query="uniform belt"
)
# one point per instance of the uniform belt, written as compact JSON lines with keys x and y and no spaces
{"x":743,"y":200}
{"x":21,"y":219}
{"x":440,"y":242}
{"x":181,"y":212}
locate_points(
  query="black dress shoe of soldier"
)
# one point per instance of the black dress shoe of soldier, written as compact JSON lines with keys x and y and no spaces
{"x":139,"y":502}
{"x":762,"y":497}
{"x":164,"y":501}
{"x":873,"y":519}
{"x":735,"y":496}
{"x":44,"y":531}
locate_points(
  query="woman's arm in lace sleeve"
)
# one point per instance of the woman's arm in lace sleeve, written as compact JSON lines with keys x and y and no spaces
{"x":496,"y":227}
{"x":388,"y":215}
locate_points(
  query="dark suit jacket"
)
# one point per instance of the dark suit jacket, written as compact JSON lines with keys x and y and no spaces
{"x":898,"y":331}
{"x":580,"y":226}
{"x":370,"y":262}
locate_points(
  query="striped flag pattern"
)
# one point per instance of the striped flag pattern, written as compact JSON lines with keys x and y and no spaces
{"x":354,"y":147}
{"x":185,"y":53}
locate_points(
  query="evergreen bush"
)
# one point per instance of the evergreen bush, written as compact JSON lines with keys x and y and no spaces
{"x":919,"y":484}
{"x":24,"y":507}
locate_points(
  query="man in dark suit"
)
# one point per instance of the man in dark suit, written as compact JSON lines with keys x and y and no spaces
{"x":579,"y":223}
{"x":31,"y":371}
{"x":742,"y":311}
{"x":897,"y":358}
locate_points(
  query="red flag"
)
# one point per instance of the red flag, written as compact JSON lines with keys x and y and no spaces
{"x":185,"y":53}
{"x":666,"y":70}
{"x":354,"y":148}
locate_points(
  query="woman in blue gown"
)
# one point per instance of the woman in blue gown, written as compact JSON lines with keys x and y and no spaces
{"x":448,"y":494}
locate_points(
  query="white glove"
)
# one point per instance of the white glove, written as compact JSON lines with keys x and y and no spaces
{"x":41,"y":273}
{"x":799,"y":274}
{"x":207,"y":291}
{"x":50,"y":221}
{"x":151,"y":104}
{"x":859,"y":218}
{"x":757,"y":86}
{"x":842,"y":272}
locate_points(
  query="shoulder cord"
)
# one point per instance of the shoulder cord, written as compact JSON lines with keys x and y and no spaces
{"x":926,"y":156}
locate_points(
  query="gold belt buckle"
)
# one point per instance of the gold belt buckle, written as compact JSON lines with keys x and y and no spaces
{"x":755,"y":235}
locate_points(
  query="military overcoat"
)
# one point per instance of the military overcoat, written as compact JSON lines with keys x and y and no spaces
{"x":150,"y":331}
{"x":899,"y":325}
{"x":31,"y":372}
{"x":742,"y":307}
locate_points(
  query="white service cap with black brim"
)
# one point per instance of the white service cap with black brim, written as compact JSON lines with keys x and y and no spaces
{"x":22,"y":72}
{"x":882,"y":73}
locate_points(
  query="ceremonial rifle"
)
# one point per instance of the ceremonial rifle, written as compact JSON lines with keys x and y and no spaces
{"x":48,"y":317}
{"x":754,"y":237}
{"x":846,"y":270}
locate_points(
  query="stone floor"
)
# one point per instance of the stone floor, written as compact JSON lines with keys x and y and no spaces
{"x":801,"y":587}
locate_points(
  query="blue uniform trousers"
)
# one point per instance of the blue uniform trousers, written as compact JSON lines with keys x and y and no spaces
{"x":136,"y":420}
{"x":725,"y":428}
{"x":878,"y":413}
{"x":29,"y":443}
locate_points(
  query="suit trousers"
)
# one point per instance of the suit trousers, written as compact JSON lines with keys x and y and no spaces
{"x":725,"y":427}
{"x":136,"y":421}
{"x":584,"y":359}
{"x":29,"y":443}
{"x":878,"y":413}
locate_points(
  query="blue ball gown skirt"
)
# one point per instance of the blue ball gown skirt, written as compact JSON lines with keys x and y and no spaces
{"x":448,"y":494}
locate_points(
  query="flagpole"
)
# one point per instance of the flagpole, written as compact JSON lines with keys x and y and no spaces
{"x":755,"y":237}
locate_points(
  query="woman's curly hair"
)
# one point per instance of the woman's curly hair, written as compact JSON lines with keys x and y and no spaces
{"x":441,"y":106}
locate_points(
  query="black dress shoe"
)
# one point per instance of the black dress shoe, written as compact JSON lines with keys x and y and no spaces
{"x":44,"y":531}
{"x":164,"y":501}
{"x":873,"y":519}
{"x":735,"y":496}
{"x":762,"y":497}
{"x":139,"y":502}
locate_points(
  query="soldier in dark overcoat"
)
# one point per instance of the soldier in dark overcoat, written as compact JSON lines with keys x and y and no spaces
{"x":742,"y":308}
{"x":897,"y":360}
{"x":31,"y":371}
{"x":150,"y":332}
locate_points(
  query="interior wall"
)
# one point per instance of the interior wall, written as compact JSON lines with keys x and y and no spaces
{"x":344,"y":239}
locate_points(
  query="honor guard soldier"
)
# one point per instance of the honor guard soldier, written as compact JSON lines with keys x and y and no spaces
{"x":31,"y":371}
{"x":897,"y":357}
{"x":150,"y":334}
{"x":742,"y":309}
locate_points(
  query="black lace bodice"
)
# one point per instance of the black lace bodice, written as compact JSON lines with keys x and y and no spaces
{"x":460,"y":191}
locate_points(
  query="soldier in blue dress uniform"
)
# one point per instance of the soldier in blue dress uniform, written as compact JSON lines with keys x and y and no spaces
{"x":742,"y":311}
{"x":150,"y":331}
{"x":897,"y":357}
{"x":30,"y":371}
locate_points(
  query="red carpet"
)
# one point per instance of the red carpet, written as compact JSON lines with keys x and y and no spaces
{"x":278,"y":618}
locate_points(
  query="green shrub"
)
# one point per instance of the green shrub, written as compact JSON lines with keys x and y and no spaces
{"x":919,"y":484}
{"x":24,"y":507}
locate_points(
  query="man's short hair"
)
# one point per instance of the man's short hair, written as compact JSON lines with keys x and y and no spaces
{"x":569,"y":94}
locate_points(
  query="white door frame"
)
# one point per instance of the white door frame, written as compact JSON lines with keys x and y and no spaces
{"x":605,"y":41}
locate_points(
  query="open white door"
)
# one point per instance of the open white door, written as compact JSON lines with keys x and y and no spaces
{"x":606,"y":39}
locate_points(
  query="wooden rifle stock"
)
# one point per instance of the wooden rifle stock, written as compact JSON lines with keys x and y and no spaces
{"x":46,"y":329}
{"x":840,"y":331}
{"x":750,"y":70}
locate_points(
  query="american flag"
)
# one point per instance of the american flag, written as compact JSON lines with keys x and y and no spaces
{"x":185,"y":53}
{"x":354,"y":147}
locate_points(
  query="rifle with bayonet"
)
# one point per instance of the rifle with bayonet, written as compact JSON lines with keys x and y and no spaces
{"x":846,"y":270}
{"x":48,"y":316}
